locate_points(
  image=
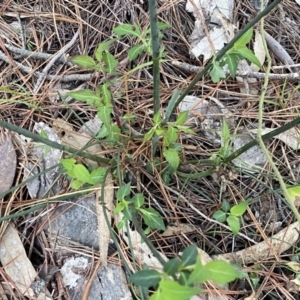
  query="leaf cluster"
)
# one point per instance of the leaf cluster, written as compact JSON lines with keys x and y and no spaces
{"x":231,"y":215}
{"x":80,"y":174}
{"x":134,"y":205}
{"x":181,"y":275}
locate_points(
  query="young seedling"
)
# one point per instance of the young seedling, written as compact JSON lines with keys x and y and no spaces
{"x":231,"y":215}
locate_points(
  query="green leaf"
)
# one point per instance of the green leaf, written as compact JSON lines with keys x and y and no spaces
{"x":189,"y":255}
{"x":123,"y":191}
{"x":172,"y":290}
{"x":220,"y":216}
{"x":127,"y":29}
{"x":239,"y":209}
{"x":76,"y":184}
{"x":135,"y":51}
{"x":87,"y":96}
{"x":171,"y":103}
{"x":102,"y":47}
{"x":225,"y":206}
{"x":146,"y":278}
{"x":162,"y":25}
{"x":103,"y":132}
{"x":84,"y":61}
{"x":114,"y":135}
{"x":234,"y":224}
{"x":152,"y":218}
{"x":225,"y":132}
{"x":97,"y":175}
{"x":198,"y":274}
{"x":221,"y":272}
{"x":185,"y":129}
{"x":81,"y":173}
{"x":171,"y":267}
{"x":182,"y":118}
{"x":120,"y":206}
{"x":248,"y":54}
{"x":68,"y":163}
{"x":105,"y":93}
{"x":244,"y":39}
{"x":121,"y":223}
{"x":138,"y":200}
{"x":232,"y":60}
{"x":148,"y":136}
{"x":217,"y":73}
{"x":171,"y":135}
{"x":104,"y":114}
{"x":172,"y":158}
{"x":157,"y":118}
{"x":160,"y":131}
{"x":111,"y":63}
{"x":293,"y":192}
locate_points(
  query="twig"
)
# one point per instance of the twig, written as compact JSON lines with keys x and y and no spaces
{"x":194,"y":69}
{"x":62,"y":51}
{"x":37,"y":55}
{"x":62,"y":78}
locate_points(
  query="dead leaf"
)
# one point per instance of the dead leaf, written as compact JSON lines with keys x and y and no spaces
{"x":8,"y":162}
{"x":259,"y":50}
{"x":103,"y":230}
{"x":17,"y":265}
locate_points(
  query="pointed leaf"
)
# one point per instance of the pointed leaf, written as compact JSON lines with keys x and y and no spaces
{"x":152,"y":218}
{"x":123,"y":191}
{"x":138,"y":200}
{"x":232,"y":63}
{"x":148,"y":136}
{"x":84,"y":61}
{"x":249,"y":55}
{"x":244,"y":39}
{"x":68,"y":163}
{"x":135,"y":51}
{"x":104,"y":114}
{"x":111,"y":63}
{"x":81,"y":173}
{"x":105,"y":94}
{"x":127,"y":29}
{"x":182,"y":118}
{"x":146,"y":278}
{"x":97,"y":175}
{"x":189,"y":255}
{"x":198,"y":274}
{"x":173,"y":290}
{"x":239,"y":209}
{"x":171,"y":135}
{"x":220,"y":216}
{"x":171,"y":267}
{"x":225,"y":206}
{"x":76,"y":184}
{"x":217,"y":73}
{"x":87,"y":96}
{"x":162,"y":26}
{"x":221,"y":272}
{"x":234,"y":224}
{"x":102,"y":47}
{"x":172,"y":158}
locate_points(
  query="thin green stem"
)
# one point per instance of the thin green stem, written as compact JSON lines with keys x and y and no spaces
{"x":155,"y":54}
{"x":260,"y":126}
{"x":222,"y":52}
{"x":38,"y":138}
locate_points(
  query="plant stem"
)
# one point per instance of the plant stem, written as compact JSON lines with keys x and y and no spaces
{"x":155,"y":54}
{"x":260,"y":125}
{"x":38,"y":138}
{"x":223,"y":51}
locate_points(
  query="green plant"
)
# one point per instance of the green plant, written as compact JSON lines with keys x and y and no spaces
{"x":232,"y":57}
{"x":169,"y":134}
{"x":80,"y":175}
{"x":180,"y":276}
{"x":134,"y":205}
{"x":135,"y":31}
{"x":231,"y":215}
